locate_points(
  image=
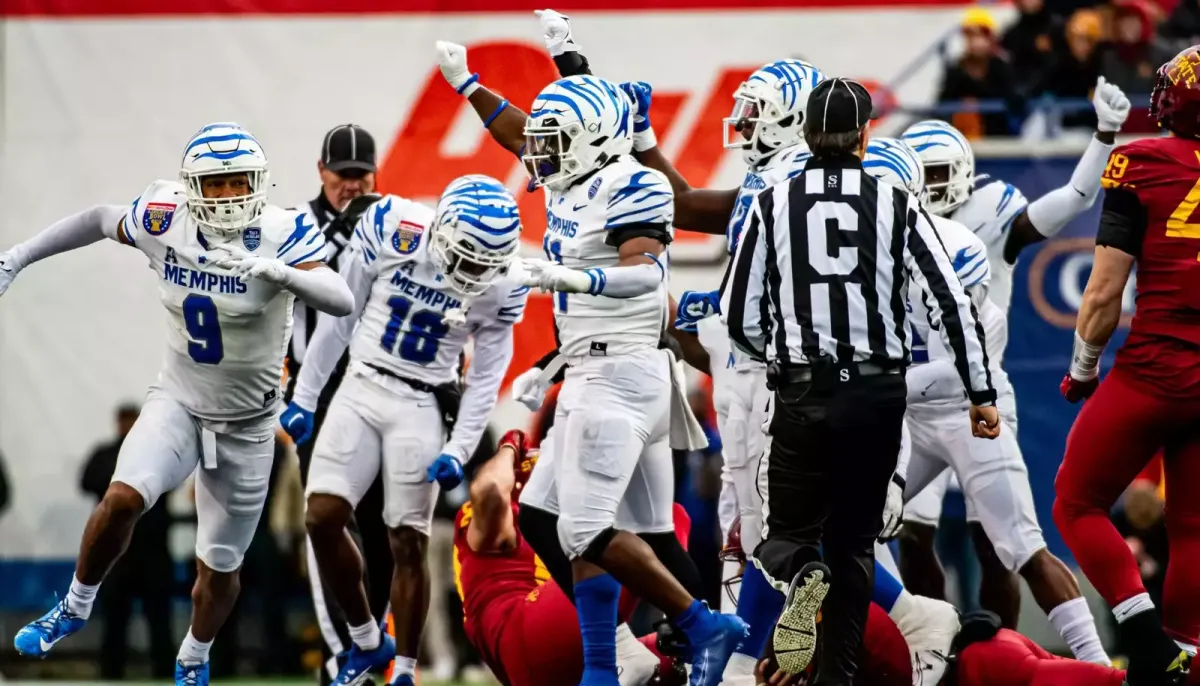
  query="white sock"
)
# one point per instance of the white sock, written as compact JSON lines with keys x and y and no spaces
{"x":404,"y":666}
{"x":1073,"y":621}
{"x":192,"y":651}
{"x":740,"y":665}
{"x":368,"y":636}
{"x":81,"y":597}
{"x":1133,"y":606}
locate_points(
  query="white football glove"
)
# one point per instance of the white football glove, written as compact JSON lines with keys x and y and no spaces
{"x":529,"y":390}
{"x":452,"y":60}
{"x":246,"y":266}
{"x":556,"y":31}
{"x":1112,"y":107}
{"x":893,"y":509}
{"x":9,"y":268}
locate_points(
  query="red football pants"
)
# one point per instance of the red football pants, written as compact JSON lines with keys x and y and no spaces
{"x":1010,"y":659}
{"x":1118,"y":431}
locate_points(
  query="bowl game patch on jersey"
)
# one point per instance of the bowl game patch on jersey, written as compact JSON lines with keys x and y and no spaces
{"x":407,"y":237}
{"x":252,"y":238}
{"x":157,"y":218}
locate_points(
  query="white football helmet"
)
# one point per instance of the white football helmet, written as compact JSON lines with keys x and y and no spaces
{"x":893,"y":161}
{"x":768,"y":109}
{"x":949,"y":164}
{"x":217,"y":150}
{"x":577,"y":125}
{"x":476,"y":233}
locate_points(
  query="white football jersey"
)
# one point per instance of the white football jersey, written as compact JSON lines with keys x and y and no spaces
{"x":715,"y":338}
{"x":403,"y":327}
{"x":783,"y":165}
{"x":970,"y":259}
{"x":226,"y":338}
{"x":579,"y":221}
{"x":989,"y":212}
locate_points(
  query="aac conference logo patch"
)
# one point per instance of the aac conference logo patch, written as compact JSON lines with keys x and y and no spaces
{"x":252,"y":238}
{"x":407,"y":237}
{"x":157,"y":218}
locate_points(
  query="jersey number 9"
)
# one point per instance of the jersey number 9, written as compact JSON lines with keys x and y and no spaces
{"x":204,"y":329}
{"x":420,"y":341}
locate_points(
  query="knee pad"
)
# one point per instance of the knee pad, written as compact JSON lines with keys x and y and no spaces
{"x":540,"y":530}
{"x":220,"y":558}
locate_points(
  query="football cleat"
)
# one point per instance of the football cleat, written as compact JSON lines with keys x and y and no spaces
{"x":360,"y":663}
{"x":39,"y":636}
{"x":930,"y":638}
{"x":711,"y":653}
{"x":191,"y":675}
{"x":795,"y":637}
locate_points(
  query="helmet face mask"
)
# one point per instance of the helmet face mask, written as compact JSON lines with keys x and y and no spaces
{"x":577,"y":125}
{"x":224,"y":151}
{"x":1175,"y":99}
{"x":768,"y":109}
{"x":476,"y":233}
{"x":949,"y":164}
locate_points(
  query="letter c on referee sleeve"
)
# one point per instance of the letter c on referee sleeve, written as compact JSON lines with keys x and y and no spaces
{"x":930,"y":266}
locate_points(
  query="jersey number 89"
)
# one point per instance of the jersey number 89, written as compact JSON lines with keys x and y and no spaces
{"x":420,"y":342}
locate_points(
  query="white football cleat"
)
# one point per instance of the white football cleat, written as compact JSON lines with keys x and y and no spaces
{"x":929,"y":626}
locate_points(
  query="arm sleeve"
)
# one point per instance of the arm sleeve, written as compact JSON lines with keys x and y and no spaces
{"x":627,"y":282}
{"x":321,"y":288}
{"x":744,"y":291}
{"x":493,"y":352}
{"x":1054,"y":210}
{"x":76,"y":231}
{"x":931,"y":269}
{"x":1123,"y":222}
{"x":333,"y":334}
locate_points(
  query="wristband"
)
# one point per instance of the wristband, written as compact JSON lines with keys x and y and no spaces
{"x":644,"y":141}
{"x":495,"y":113}
{"x":1085,"y":359}
{"x":468,"y":86}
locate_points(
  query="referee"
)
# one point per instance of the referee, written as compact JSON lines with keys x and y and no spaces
{"x":347,"y":169}
{"x":817,"y":290}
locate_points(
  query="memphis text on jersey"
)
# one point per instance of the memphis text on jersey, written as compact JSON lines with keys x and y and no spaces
{"x":430,"y":296}
{"x":198,"y":280}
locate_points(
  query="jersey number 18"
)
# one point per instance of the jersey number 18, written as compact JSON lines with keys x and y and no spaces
{"x":420,"y":342}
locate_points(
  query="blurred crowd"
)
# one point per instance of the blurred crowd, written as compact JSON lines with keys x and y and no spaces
{"x":1055,"y":51}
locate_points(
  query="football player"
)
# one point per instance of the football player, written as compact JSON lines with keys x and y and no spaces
{"x":1148,"y":402}
{"x":229,"y":266}
{"x":424,"y":282}
{"x":994,"y":478}
{"x":609,"y":220}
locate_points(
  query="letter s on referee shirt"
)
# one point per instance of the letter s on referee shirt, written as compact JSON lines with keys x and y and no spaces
{"x":837,"y":281}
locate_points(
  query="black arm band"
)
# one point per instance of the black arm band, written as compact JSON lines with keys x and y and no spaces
{"x":572,"y":63}
{"x":1123,"y":222}
{"x":658,"y":232}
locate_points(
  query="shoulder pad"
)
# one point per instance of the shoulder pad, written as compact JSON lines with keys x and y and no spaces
{"x":394,"y":223}
{"x":299,"y":238}
{"x":636,"y":195}
{"x":786,"y":165}
{"x":162,"y":205}
{"x":968,"y":254}
{"x":1133,"y":162}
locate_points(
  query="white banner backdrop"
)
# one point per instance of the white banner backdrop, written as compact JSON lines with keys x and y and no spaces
{"x":93,"y":110}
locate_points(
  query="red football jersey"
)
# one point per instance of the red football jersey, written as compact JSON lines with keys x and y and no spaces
{"x":490,"y":585}
{"x":1163,"y":347}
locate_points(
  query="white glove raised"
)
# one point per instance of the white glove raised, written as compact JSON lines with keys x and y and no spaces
{"x":528,"y":389}
{"x":452,"y":60}
{"x":246,"y":266}
{"x":893,"y":509}
{"x":556,"y":31}
{"x":9,"y":268}
{"x":1112,"y":107}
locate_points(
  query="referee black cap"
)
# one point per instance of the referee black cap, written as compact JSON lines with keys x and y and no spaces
{"x":838,"y":106}
{"x":347,"y":147}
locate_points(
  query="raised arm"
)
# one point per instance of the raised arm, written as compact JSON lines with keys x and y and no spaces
{"x":492,"y":527}
{"x":1049,"y":214}
{"x":69,"y":233}
{"x":503,"y":120}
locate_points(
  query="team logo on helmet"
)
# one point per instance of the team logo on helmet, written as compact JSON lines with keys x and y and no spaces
{"x":157,"y":218}
{"x":252,"y":238}
{"x":407,"y":237}
{"x":1175,"y":100}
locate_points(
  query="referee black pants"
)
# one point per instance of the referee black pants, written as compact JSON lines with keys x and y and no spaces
{"x":833,"y":449}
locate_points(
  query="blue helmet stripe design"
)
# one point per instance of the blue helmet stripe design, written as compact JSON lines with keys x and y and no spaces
{"x":586,"y":94}
{"x":485,"y":209}
{"x":240,"y":136}
{"x":224,"y":155}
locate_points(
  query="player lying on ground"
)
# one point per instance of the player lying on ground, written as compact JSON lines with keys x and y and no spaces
{"x":424,"y":282}
{"x":984,"y":655}
{"x":1149,"y":401}
{"x":526,"y":629}
{"x":609,"y":220}
{"x":229,"y":267}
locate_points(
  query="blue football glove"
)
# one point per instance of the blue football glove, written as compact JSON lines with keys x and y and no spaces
{"x":446,"y":470}
{"x":697,"y":305}
{"x":297,"y":422}
{"x":640,"y":93}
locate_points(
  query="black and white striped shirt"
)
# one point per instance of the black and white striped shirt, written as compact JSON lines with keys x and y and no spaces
{"x":823,"y":269}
